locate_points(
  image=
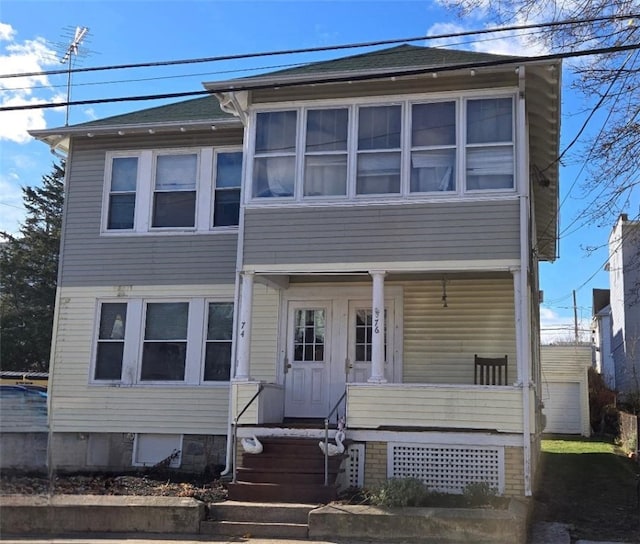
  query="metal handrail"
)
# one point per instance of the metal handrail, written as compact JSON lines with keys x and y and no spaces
{"x":326,"y":438}
{"x":235,"y":430}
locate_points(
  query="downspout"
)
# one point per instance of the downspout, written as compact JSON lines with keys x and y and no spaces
{"x":522,"y":143}
{"x":236,"y":304}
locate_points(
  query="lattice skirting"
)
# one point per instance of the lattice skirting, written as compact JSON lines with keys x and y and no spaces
{"x":353,"y":475}
{"x":447,"y":468}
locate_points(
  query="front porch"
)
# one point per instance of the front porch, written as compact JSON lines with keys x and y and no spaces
{"x":402,"y":378}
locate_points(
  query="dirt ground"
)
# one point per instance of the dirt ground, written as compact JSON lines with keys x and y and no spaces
{"x":101,"y":484}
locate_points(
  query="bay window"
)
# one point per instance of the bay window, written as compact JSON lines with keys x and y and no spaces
{"x":408,"y":148}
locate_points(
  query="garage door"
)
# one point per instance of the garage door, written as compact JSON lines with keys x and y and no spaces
{"x":562,"y":407}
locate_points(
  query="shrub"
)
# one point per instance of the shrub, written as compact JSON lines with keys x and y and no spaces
{"x":479,"y":494}
{"x":400,"y":492}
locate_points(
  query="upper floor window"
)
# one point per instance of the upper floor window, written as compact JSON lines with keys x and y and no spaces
{"x":182,"y":190}
{"x":447,"y":146}
{"x":183,"y":341}
{"x":174,"y":192}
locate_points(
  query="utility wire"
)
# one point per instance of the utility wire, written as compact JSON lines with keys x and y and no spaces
{"x":350,"y":77}
{"x":328,"y":47}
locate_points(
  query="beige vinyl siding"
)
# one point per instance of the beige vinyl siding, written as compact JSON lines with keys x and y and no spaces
{"x":441,"y":231}
{"x":81,"y":407}
{"x":264,"y":333}
{"x":392,"y":405}
{"x":439,"y":342}
{"x":94,"y":259}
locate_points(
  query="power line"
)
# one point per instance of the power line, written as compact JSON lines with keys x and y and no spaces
{"x":328,"y":47}
{"x":337,"y":79}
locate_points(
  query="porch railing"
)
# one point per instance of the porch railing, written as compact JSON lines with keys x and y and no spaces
{"x":326,"y":438}
{"x":235,"y":429}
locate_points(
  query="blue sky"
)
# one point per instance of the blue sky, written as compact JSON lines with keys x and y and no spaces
{"x":138,"y":31}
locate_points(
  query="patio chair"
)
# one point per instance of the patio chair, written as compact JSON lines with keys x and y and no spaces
{"x":490,"y":370}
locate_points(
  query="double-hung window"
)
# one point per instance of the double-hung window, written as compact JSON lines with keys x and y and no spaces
{"x":433,"y":147}
{"x":489,"y":146}
{"x":228,"y":178}
{"x":122,"y":193}
{"x":174,"y":195}
{"x":379,"y":150}
{"x":275,"y":154}
{"x":325,"y":158}
{"x":154,"y":342}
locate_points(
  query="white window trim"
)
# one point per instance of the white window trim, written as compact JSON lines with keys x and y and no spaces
{"x":145,"y":187}
{"x":134,"y":342}
{"x":406,"y":101}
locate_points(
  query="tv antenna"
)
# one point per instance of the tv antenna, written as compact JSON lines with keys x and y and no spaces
{"x":71,"y":52}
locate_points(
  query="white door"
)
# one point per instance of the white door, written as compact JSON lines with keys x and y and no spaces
{"x":360,"y":335}
{"x":308,"y":358}
{"x":562,"y":408}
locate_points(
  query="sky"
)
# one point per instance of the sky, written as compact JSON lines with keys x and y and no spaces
{"x":34,"y":35}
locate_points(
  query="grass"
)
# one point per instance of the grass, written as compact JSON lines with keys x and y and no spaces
{"x":590,"y":485}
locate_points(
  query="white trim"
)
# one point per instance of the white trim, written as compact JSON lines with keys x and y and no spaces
{"x":418,"y":437}
{"x":498,"y":265}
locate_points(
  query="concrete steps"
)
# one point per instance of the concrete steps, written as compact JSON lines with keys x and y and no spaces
{"x":273,"y":520}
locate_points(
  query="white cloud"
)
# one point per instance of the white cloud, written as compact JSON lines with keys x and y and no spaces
{"x":6,"y":32}
{"x":25,"y":57}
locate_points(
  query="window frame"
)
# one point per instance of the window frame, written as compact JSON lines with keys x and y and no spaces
{"x":134,"y":341}
{"x":145,"y":189}
{"x":406,"y":102}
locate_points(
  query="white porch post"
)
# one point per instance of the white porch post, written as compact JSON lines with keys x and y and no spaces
{"x":377,"y":339}
{"x":244,"y":328}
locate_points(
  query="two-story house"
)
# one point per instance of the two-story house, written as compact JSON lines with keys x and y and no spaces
{"x":341,"y":239}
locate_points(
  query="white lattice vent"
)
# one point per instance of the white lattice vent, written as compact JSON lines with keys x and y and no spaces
{"x":447,"y":468}
{"x":353,"y":475}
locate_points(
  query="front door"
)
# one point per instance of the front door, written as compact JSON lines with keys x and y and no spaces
{"x":308,"y":359}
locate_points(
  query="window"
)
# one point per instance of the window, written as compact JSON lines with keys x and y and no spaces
{"x":146,"y":341}
{"x":489,"y":150}
{"x":184,"y":190}
{"x":217,"y":362}
{"x":110,"y":349}
{"x":174,"y":197}
{"x":433,"y":147}
{"x":308,"y":343}
{"x":364,"y":334}
{"x":444,"y":146}
{"x":325,"y":166}
{"x":379,"y":151}
{"x":275,"y":154}
{"x":122,"y":192}
{"x":165,"y":341}
{"x":227,"y":188}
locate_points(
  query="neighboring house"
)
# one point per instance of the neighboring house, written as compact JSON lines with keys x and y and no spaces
{"x":624,"y":283}
{"x":601,"y":337}
{"x":565,"y":388}
{"x":358,"y":227}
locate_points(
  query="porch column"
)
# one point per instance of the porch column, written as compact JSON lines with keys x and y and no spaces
{"x":377,"y":326}
{"x":244,"y":328}
{"x":517,"y":303}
